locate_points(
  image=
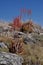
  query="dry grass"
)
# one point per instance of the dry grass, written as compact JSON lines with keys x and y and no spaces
{"x":34,"y":54}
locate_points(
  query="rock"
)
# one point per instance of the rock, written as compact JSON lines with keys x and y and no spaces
{"x":28,"y":40}
{"x":18,"y":34}
{"x":34,"y":38}
{"x":3,"y":47}
{"x":10,"y":59}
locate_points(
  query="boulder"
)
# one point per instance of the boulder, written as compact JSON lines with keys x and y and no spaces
{"x":3,"y":47}
{"x":10,"y":59}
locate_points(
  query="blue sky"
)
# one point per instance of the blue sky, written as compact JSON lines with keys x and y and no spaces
{"x":10,"y":9}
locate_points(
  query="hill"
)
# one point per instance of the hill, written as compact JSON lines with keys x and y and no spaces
{"x":26,"y":42}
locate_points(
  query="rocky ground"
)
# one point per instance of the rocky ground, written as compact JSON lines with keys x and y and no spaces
{"x":25,"y":47}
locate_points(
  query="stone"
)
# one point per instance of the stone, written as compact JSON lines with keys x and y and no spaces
{"x":3,"y":47}
{"x":10,"y":59}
